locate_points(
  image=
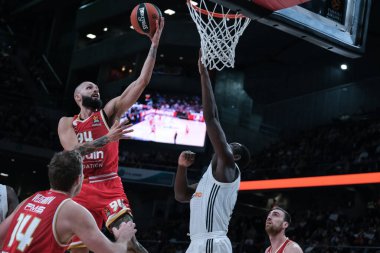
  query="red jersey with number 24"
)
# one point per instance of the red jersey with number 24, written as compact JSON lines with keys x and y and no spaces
{"x":105,"y":159}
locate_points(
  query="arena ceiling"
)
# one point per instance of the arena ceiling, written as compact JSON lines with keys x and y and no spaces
{"x":271,"y":59}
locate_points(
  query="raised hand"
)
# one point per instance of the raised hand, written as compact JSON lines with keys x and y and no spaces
{"x":201,"y":66}
{"x":119,"y":130}
{"x":157,"y":35}
{"x":186,"y":158}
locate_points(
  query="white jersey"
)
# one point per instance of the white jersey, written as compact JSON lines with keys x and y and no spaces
{"x":211,"y":205}
{"x":3,"y":202}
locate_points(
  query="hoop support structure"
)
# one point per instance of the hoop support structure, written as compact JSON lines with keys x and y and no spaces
{"x":215,"y":14}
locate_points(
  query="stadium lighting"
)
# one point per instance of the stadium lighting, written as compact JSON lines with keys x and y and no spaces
{"x":343,"y":66}
{"x":91,"y":36}
{"x":349,"y":179}
{"x":169,"y":12}
{"x":105,"y":29}
{"x":4,"y":174}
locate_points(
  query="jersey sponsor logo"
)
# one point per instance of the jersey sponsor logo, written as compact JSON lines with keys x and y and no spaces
{"x":96,"y":121}
{"x":39,"y":198}
{"x":34,"y":208}
{"x":97,"y":155}
{"x":197,"y":195}
{"x":93,"y":166}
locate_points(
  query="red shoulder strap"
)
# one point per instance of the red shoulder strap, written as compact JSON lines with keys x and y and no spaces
{"x":283,"y":246}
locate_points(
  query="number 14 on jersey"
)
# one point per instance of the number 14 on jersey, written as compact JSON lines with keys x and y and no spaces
{"x":23,"y":231}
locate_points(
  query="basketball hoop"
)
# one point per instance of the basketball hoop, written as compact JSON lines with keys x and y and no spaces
{"x":220,"y":31}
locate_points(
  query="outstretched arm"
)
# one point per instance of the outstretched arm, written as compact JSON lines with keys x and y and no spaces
{"x":117,"y":106}
{"x":12,"y":200}
{"x":69,"y":139}
{"x":182,"y":190}
{"x":214,"y":129}
{"x":75,"y":219}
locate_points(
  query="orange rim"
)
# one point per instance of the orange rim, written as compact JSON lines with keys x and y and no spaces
{"x":215,"y":14}
{"x":334,"y":180}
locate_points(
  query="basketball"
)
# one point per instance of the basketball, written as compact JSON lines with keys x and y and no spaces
{"x":143,"y":18}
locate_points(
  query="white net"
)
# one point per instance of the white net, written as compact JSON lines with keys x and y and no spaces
{"x":219,"y":34}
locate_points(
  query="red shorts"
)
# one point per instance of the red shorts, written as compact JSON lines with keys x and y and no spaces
{"x":105,"y":200}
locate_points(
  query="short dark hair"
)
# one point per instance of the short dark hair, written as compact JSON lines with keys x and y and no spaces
{"x":287,"y":216}
{"x":64,"y":169}
{"x":245,"y":155}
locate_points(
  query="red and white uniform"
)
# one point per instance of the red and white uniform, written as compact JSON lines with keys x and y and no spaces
{"x":282,"y":247}
{"x":32,"y":229}
{"x":103,"y":161}
{"x":102,"y":191}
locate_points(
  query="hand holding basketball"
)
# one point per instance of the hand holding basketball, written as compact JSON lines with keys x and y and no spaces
{"x":146,"y":18}
{"x":157,"y":35}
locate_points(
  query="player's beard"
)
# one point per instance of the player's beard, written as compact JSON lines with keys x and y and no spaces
{"x":92,"y":103}
{"x":273,"y":230}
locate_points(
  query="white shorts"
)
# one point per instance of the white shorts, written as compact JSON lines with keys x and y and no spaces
{"x":212,"y":245}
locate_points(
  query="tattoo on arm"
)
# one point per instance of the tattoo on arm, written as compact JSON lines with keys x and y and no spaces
{"x":89,"y":147}
{"x":153,"y":52}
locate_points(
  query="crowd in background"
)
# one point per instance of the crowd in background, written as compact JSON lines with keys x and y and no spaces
{"x":350,"y":146}
{"x":10,"y":81}
{"x":316,"y":230}
{"x":25,"y":124}
{"x":148,"y":159}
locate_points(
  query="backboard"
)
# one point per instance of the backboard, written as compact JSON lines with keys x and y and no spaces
{"x":336,"y":25}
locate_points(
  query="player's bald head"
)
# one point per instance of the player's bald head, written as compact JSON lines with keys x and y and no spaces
{"x":82,"y":86}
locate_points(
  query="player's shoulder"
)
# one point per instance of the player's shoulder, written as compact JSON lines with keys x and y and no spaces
{"x":65,"y":121}
{"x":70,"y":207}
{"x":293,"y":247}
{"x":267,"y":250}
{"x":74,"y":211}
{"x":65,"y":118}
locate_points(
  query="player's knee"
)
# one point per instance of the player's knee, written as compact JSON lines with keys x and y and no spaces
{"x":122,"y":218}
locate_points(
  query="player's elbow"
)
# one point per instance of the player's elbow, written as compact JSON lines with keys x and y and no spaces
{"x":143,"y":81}
{"x":211,"y":121}
{"x":181,"y":197}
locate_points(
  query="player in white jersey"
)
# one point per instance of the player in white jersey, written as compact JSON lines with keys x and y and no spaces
{"x":8,"y":201}
{"x":212,"y":200}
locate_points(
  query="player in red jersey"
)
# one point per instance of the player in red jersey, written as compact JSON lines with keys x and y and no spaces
{"x":277,"y":222}
{"x":46,"y":221}
{"x":102,"y":192}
